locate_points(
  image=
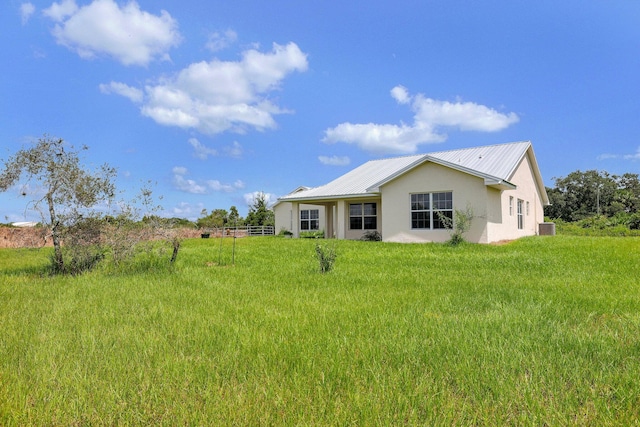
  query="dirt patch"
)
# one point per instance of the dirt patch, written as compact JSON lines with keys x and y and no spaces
{"x":38,"y":237}
{"x":28,"y":237}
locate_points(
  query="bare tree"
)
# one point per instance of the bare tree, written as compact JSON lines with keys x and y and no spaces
{"x":64,"y":191}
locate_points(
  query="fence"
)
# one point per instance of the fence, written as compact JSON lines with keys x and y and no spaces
{"x":239,"y":231}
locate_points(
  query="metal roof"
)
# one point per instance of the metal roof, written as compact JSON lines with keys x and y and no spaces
{"x":494,"y":163}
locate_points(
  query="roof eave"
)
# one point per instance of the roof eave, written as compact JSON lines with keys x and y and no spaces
{"x":499,"y":184}
{"x":328,"y":198}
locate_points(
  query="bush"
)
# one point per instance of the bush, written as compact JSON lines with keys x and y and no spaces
{"x":318,"y":234}
{"x":458,"y":225}
{"x":371,"y":236}
{"x":326,"y":257}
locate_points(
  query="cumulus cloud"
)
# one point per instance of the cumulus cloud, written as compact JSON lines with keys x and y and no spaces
{"x":430,"y":116}
{"x":218,"y":96}
{"x":26,"y":10}
{"x":59,"y":11}
{"x":134,"y":94}
{"x":201,"y":151}
{"x":334,"y":160}
{"x":125,"y":33}
{"x":221,"y":40}
{"x":184,"y":184}
{"x":194,"y":187}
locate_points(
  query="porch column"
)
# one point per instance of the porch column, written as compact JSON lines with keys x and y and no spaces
{"x":340,"y":219}
{"x":295,"y":219}
{"x":329,"y":220}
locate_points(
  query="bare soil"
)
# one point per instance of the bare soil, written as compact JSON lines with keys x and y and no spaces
{"x":38,"y":237}
{"x":27,"y":237}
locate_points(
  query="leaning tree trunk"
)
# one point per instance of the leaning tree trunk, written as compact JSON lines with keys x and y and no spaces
{"x":55,"y":235}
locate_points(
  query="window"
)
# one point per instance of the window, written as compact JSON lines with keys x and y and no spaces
{"x":527,"y":208}
{"x":363,"y":216}
{"x":428,"y":209}
{"x":520,"y":214}
{"x":309,"y":219}
{"x":510,"y":205}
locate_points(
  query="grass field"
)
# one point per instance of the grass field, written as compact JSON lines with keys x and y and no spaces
{"x":541,"y":331}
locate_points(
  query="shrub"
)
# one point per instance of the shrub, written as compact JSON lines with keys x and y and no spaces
{"x":460,"y":224}
{"x":371,"y":236}
{"x":326,"y":257}
{"x":318,"y":234}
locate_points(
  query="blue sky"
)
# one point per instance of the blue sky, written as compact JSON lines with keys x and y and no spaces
{"x":215,"y":101}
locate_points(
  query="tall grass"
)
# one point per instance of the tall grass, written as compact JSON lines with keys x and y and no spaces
{"x":542,"y":331}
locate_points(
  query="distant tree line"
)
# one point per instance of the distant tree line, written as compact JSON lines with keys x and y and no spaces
{"x":259,"y":214}
{"x":591,"y":194}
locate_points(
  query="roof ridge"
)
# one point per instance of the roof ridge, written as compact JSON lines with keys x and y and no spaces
{"x":480,"y":147}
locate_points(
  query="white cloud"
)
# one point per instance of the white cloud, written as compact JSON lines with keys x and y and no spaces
{"x":128,"y":34}
{"x":186,"y":185}
{"x":400,"y":94}
{"x":201,"y":151}
{"x":194,"y":187}
{"x":250,"y":198}
{"x":26,"y":10}
{"x":235,"y":150}
{"x":635,"y":156}
{"x":59,"y":11}
{"x":334,"y":160}
{"x":430,"y":116}
{"x":134,"y":94}
{"x":218,"y":96}
{"x":216,"y":185}
{"x":219,"y":41}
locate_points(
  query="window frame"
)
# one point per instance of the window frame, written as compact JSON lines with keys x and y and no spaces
{"x":310,"y":220}
{"x":520,"y":214}
{"x":363,"y":216}
{"x":424,"y":210}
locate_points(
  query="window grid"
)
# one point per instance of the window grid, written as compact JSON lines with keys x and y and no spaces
{"x":363,"y":216}
{"x":520,"y":214}
{"x":309,"y":219}
{"x":427,"y":210}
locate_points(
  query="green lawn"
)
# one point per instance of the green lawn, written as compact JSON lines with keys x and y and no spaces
{"x":541,"y":331}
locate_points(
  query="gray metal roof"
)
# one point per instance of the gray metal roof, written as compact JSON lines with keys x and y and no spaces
{"x":494,"y":163}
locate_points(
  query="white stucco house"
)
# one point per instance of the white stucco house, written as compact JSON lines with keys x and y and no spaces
{"x":400,"y":197}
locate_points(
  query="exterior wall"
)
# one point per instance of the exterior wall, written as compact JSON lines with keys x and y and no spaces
{"x":357,"y":234}
{"x":527,"y":191}
{"x":288,"y":217}
{"x":429,"y":178}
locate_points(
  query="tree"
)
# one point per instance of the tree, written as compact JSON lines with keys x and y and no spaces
{"x":234,"y":216}
{"x":65,"y":191}
{"x":216,"y":219}
{"x":584,"y":194}
{"x":259,"y":212}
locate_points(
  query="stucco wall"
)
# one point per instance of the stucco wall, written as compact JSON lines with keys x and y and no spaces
{"x":284,"y":216}
{"x":528,"y":192}
{"x":357,"y":234}
{"x":429,"y":178}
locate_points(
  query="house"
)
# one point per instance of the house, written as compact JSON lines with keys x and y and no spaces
{"x":405,"y":198}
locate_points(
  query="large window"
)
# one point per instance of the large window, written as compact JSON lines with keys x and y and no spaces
{"x":309,"y":219}
{"x":520,"y":214}
{"x":363,"y":216}
{"x":429,"y":209}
